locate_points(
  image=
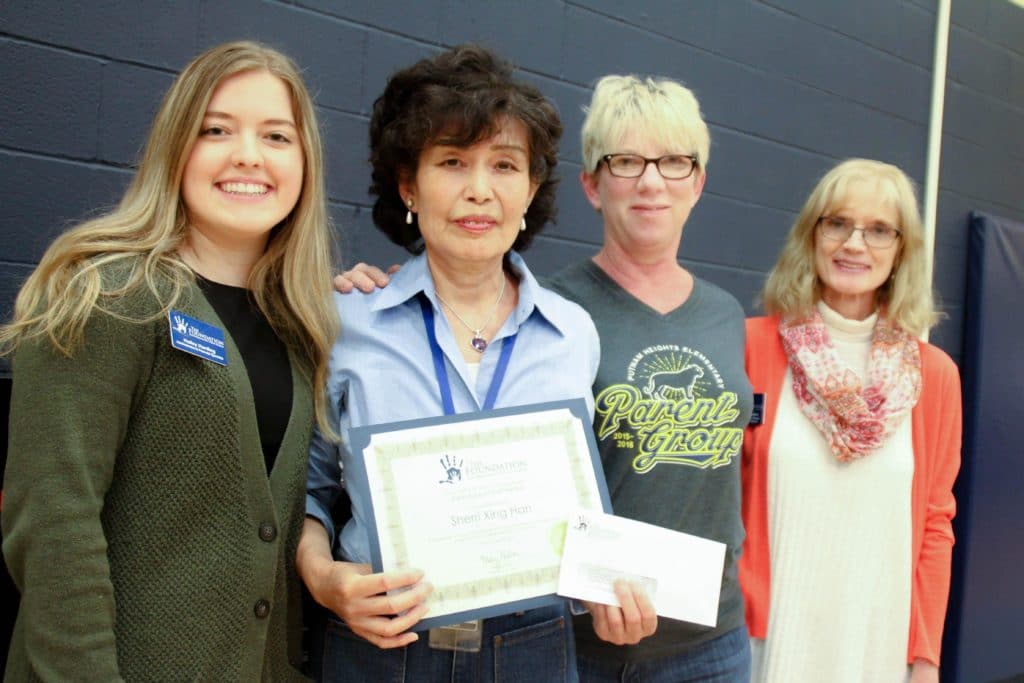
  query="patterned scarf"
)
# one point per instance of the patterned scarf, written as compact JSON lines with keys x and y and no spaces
{"x":855,"y":420}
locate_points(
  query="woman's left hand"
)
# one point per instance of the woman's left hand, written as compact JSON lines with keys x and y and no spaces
{"x":364,"y":277}
{"x":923,"y":671}
{"x":628,"y":624}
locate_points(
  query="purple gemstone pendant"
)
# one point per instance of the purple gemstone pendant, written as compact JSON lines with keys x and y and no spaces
{"x":479,"y":343}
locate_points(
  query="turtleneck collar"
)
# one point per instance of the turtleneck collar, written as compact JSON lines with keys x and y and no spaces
{"x":845,"y":329}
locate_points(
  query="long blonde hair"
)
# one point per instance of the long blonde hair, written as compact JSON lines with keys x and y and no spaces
{"x":290,"y":282}
{"x":793,"y":286}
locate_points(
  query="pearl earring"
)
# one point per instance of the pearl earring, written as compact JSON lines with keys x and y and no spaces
{"x":408,"y":214}
{"x":522,"y":225}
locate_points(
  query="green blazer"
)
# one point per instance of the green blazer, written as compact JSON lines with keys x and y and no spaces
{"x":139,"y":522}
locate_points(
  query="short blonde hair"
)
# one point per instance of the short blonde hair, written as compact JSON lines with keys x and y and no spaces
{"x":793,"y":286}
{"x":662,"y":109}
{"x":291,"y":280}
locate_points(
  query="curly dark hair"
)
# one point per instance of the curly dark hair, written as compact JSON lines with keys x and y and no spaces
{"x":463,"y":94}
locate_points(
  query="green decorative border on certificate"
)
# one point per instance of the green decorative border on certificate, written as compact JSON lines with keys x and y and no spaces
{"x":584,"y":470}
{"x":390,"y":457}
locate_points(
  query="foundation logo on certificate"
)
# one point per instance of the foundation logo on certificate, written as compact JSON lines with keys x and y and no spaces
{"x":673,"y":409}
{"x":452,"y":468}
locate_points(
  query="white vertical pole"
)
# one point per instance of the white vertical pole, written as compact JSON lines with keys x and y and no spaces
{"x":931,"y":176}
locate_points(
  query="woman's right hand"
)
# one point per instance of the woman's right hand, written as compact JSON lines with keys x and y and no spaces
{"x":359,"y":597}
{"x":362,"y":600}
{"x":363,"y":277}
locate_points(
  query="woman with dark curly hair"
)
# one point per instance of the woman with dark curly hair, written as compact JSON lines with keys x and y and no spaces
{"x":463,"y":158}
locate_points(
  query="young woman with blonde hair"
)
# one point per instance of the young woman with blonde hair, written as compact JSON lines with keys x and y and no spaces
{"x":165,"y":360}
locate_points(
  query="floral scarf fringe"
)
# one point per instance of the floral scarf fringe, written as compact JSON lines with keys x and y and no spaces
{"x":855,"y":420}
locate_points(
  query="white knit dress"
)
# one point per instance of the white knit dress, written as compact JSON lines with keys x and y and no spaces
{"x":840,"y":540}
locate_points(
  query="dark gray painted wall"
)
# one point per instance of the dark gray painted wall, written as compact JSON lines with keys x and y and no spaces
{"x":789,"y":87}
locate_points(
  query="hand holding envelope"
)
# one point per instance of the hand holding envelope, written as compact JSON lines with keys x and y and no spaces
{"x":628,"y":622}
{"x":681,"y":574}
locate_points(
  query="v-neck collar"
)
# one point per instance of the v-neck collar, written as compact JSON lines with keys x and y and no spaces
{"x":627,"y":298}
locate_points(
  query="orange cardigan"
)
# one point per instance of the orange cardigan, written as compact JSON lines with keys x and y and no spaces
{"x":936,"y":423}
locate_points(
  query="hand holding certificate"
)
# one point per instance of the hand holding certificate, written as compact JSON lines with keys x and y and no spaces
{"x":479,"y":502}
{"x":358,"y":596}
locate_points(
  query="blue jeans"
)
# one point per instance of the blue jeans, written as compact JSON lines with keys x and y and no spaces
{"x":725,"y":659}
{"x":527,"y":647}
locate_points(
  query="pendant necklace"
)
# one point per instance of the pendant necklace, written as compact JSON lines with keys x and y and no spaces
{"x":478,"y":343}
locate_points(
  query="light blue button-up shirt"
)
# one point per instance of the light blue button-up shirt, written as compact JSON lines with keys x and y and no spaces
{"x":381,"y":371}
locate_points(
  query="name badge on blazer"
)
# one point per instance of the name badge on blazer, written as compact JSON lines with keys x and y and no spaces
{"x":757,"y":414}
{"x":197,"y":338}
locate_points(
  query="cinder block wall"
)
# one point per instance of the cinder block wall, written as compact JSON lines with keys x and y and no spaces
{"x":789,"y":87}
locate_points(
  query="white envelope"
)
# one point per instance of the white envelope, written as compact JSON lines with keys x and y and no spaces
{"x":681,"y":573}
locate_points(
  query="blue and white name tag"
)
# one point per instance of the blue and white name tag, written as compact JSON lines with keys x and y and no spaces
{"x":196,"y":337}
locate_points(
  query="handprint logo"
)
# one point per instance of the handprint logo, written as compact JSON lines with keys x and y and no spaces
{"x":452,"y":470}
{"x":180,"y":326}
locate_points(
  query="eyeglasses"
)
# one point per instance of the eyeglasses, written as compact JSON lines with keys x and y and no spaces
{"x":878,"y":236}
{"x":670,"y":166}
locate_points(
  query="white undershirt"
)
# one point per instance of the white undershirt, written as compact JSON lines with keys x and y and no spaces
{"x":840,"y":540}
{"x":474,"y":372}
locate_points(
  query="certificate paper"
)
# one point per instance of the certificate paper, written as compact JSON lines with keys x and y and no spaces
{"x":480,"y":503}
{"x":681,"y":573}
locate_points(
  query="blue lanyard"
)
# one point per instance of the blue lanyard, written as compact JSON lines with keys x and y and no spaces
{"x":442,"y":372}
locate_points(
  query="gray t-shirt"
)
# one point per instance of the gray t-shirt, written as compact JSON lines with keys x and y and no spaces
{"x":671,"y":401}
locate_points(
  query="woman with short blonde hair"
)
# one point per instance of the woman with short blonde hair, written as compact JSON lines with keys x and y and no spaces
{"x":670,"y":339}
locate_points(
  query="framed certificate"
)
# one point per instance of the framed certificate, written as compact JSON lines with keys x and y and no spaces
{"x":479,"y":502}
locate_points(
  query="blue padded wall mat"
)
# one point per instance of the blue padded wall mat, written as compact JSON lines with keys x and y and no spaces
{"x":984,"y":635}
